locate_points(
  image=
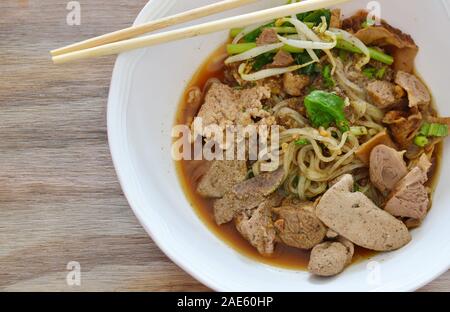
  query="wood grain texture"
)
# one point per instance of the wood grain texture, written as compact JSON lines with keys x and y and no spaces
{"x":59,"y":196}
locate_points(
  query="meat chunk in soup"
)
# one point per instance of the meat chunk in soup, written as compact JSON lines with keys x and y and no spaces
{"x":355,"y":217}
{"x":384,"y":94}
{"x":247,"y":195}
{"x":221,"y":177}
{"x":294,"y":84}
{"x":417,"y":92}
{"x":258,"y":229}
{"x":282,"y":59}
{"x":268,"y":36}
{"x":387,"y":167}
{"x":410,"y":198}
{"x":328,"y":259}
{"x":224,"y":106}
{"x":298,"y":226}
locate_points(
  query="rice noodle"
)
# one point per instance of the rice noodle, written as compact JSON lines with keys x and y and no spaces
{"x":303,"y":44}
{"x":307,"y":169}
{"x":265,"y":73}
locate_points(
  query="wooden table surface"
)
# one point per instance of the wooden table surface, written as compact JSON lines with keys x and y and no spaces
{"x":59,"y":196}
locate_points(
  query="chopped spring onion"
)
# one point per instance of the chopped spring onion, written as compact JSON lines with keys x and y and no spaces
{"x":375,"y":54}
{"x":279,"y":29}
{"x":268,"y":72}
{"x":421,"y":141}
{"x":302,"y":142}
{"x":372,"y":72}
{"x":327,"y":77}
{"x":303,"y":44}
{"x":252,"y":53}
{"x":238,"y":48}
{"x":359,"y":130}
{"x":434,"y":130}
{"x":353,"y":40}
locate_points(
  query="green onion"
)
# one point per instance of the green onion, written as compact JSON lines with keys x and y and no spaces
{"x":369,"y":72}
{"x":420,"y":141}
{"x":375,"y":54}
{"x":281,"y":30}
{"x":302,"y":142}
{"x":381,"y":72}
{"x":328,"y":80}
{"x":239,"y":48}
{"x":434,"y":130}
{"x":358,"y":130}
{"x":343,"y":55}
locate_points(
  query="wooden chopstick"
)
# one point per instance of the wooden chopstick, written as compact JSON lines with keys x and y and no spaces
{"x":153,"y":25}
{"x":192,"y":31}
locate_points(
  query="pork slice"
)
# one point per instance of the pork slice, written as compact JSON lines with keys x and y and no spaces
{"x":298,"y":226}
{"x":294,"y":84}
{"x":418,"y":93}
{"x":221,"y":177}
{"x":387,"y":167}
{"x":383,"y":93}
{"x":258,"y":229}
{"x":268,"y":36}
{"x":225,"y":106}
{"x":410,"y":198}
{"x":282,"y":59}
{"x":247,"y":195}
{"x":355,"y":217}
{"x":328,"y":259}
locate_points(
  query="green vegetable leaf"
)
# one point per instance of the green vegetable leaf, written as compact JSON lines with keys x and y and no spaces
{"x":315,"y":16}
{"x":324,"y":108}
{"x":302,"y":58}
{"x":261,"y":60}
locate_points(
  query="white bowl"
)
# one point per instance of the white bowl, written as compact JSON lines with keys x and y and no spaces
{"x":145,"y":90}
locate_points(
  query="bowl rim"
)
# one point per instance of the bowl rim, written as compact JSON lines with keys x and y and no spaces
{"x":116,"y":121}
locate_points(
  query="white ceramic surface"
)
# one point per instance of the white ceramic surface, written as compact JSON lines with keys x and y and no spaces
{"x":146,"y":88}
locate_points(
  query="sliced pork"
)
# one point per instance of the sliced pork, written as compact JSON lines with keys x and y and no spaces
{"x":410,"y":198}
{"x":418,"y":93}
{"x":221,"y":177}
{"x":387,"y":167}
{"x":297,"y":226}
{"x":247,"y":195}
{"x":258,"y":229}
{"x":355,"y":217}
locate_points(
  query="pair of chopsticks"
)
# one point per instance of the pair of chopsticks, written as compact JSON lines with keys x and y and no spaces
{"x":124,"y":40}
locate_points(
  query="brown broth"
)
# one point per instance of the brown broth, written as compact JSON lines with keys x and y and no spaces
{"x":284,"y":256}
